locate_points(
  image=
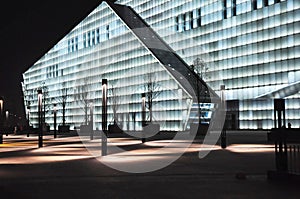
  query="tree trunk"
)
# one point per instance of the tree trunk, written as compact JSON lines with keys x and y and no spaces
{"x":151,"y":114}
{"x":64,"y":113}
{"x":44,"y":114}
{"x":86,"y":114}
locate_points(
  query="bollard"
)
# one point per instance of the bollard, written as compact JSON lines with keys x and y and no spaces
{"x":223,"y":139}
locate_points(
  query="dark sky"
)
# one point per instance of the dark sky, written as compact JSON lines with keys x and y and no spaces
{"x":28,"y":30}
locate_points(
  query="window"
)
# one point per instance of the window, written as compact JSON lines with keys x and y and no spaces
{"x":177,"y":23}
{"x":233,"y":7}
{"x":107,"y":32}
{"x":184,"y":18}
{"x":93,"y":37}
{"x":98,"y":35}
{"x":187,"y":21}
{"x":69,"y":46}
{"x":266,"y":3}
{"x":254,"y":4}
{"x":52,"y":71}
{"x":225,"y":9}
{"x":199,"y":17}
{"x":84,"y":40}
{"x":72,"y":45}
{"x":181,"y":23}
{"x":89,"y":39}
{"x":277,"y":1}
{"x":76,"y":43}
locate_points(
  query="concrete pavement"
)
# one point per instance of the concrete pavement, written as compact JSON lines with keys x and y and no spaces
{"x":63,"y":168}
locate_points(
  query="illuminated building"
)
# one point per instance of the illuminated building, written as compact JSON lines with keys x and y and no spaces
{"x":250,"y":46}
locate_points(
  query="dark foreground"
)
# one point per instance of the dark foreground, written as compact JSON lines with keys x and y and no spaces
{"x":63,"y":168}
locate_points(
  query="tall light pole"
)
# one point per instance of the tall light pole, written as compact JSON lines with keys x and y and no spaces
{"x":104,"y":117}
{"x":1,"y":105}
{"x":6,"y":121}
{"x":40,"y":101}
{"x":143,"y":116}
{"x":1,"y":120}
{"x":54,"y":112}
{"x":91,"y":121}
{"x":28,"y":120}
{"x":223,"y":108}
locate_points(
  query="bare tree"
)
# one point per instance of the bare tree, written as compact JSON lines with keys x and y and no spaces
{"x":152,"y":91}
{"x":27,"y":96}
{"x":201,"y":69}
{"x":46,"y":101}
{"x":114,"y":100}
{"x":62,"y":99}
{"x":82,"y":96}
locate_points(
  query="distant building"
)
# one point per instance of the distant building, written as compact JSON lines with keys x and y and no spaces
{"x":250,"y":46}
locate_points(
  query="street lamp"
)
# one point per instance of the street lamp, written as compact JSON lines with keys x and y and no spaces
{"x":54,"y":112}
{"x":91,"y":121}
{"x":143,"y":116}
{"x":40,"y":101}
{"x":1,"y":120}
{"x":223,"y":109}
{"x":6,"y":120}
{"x":104,"y":117}
{"x":28,"y":121}
{"x":1,"y":105}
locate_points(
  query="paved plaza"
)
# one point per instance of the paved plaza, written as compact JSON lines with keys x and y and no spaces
{"x":64,"y":168}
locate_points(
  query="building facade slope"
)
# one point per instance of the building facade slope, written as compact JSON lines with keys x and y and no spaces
{"x":104,"y":47}
{"x":253,"y":44}
{"x":162,"y":51}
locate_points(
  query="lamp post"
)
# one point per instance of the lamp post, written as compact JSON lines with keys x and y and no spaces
{"x":54,"y":112}
{"x":143,"y":116}
{"x":134,"y":121}
{"x":104,"y":117}
{"x":6,"y":121}
{"x":1,"y":120}
{"x":28,"y":121}
{"x":223,"y":108}
{"x":1,"y":105}
{"x":40,"y":101}
{"x":91,"y":121}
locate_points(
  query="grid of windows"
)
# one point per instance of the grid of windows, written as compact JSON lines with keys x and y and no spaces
{"x":52,"y":71}
{"x":253,"y":44}
{"x":188,"y":21}
{"x":73,"y":44}
{"x":123,"y":60}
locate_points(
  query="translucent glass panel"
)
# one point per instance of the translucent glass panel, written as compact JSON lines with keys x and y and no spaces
{"x":257,"y":51}
{"x":125,"y":62}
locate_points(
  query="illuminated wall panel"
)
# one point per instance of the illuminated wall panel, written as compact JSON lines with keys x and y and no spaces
{"x":256,"y":50}
{"x":254,"y":46}
{"x":103,"y":47}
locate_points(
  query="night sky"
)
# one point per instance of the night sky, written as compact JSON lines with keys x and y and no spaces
{"x":28,"y":30}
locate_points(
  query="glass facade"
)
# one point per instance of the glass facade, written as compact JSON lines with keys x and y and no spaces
{"x":103,"y":47}
{"x":252,"y":45}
